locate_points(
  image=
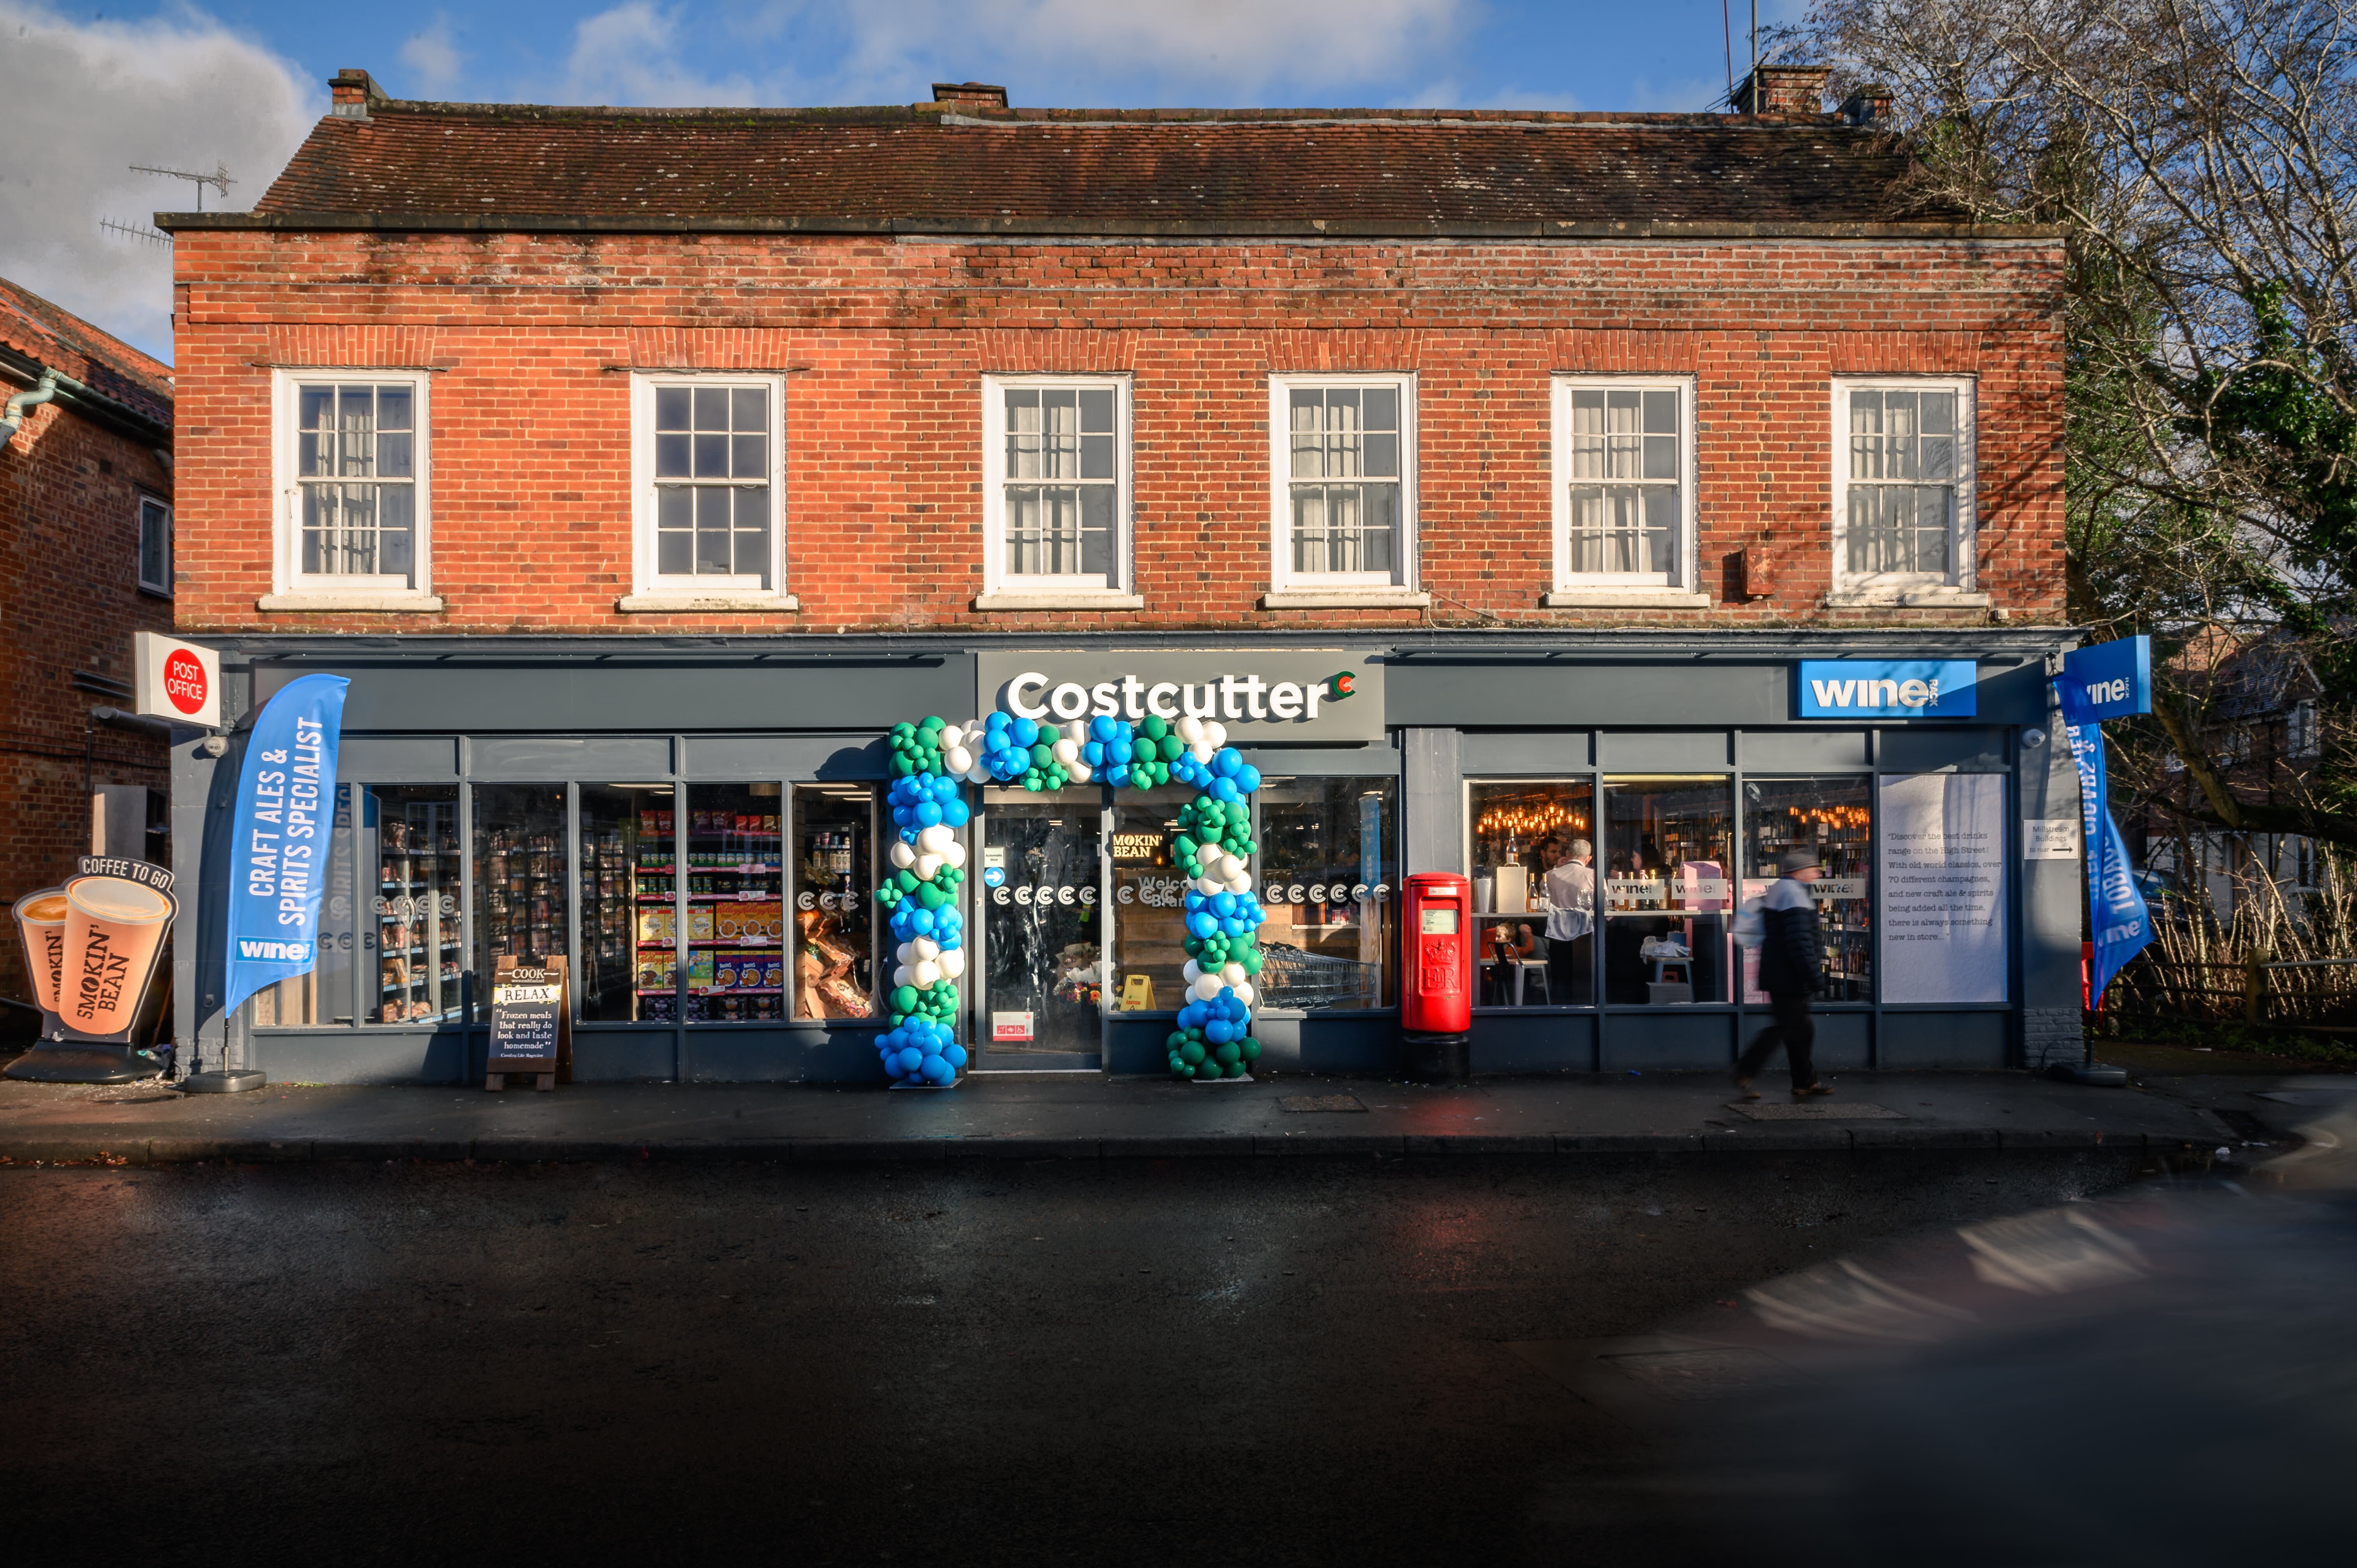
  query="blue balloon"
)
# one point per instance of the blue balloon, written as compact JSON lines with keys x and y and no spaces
{"x":928,"y":812}
{"x":1233,"y":927}
{"x":1224,"y":905}
{"x":936,"y":1070}
{"x":955,"y":1055}
{"x":1201,"y":925}
{"x":956,"y":814}
{"x":1226,"y":760}
{"x":1224,"y":789}
{"x":910,"y":1059}
{"x":1219,"y":1031}
{"x":996,"y":721}
{"x":1026,"y":733}
{"x":930,"y":1044}
{"x":1248,"y":778}
{"x":1190,"y":1015}
{"x":921,"y":920}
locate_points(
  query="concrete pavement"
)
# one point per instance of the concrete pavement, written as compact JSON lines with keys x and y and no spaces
{"x":1083,"y":1116}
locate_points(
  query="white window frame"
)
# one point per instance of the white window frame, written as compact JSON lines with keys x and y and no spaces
{"x":1005,"y":590}
{"x":1959,"y":585}
{"x":650,"y":591}
{"x":290,"y":588}
{"x":1290,"y":589}
{"x":1681,"y":589}
{"x":162,"y":590}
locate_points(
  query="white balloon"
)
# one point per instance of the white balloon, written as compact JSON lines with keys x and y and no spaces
{"x":1192,"y":972}
{"x":1234,"y":974}
{"x":1080,"y":772}
{"x":977,"y":774}
{"x":1244,"y":994}
{"x":1239,"y":883}
{"x":921,"y":948}
{"x":953,"y":963}
{"x":926,"y":865}
{"x":935,"y":839}
{"x":1208,"y":885}
{"x":958,"y":759}
{"x":1066,"y":751}
{"x":923,"y":974}
{"x":1202,"y":750}
{"x":900,"y":975}
{"x":1078,"y":732}
{"x":1215,"y":734}
{"x":954,"y":854}
{"x":1210,"y":858}
{"x":1207,"y":988}
{"x":906,"y":952}
{"x":950,"y":735}
{"x":902,"y":855}
{"x":1190,"y":730}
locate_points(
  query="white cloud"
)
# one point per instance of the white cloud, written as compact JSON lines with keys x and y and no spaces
{"x":631,"y":55}
{"x":434,"y":59}
{"x":85,"y":100}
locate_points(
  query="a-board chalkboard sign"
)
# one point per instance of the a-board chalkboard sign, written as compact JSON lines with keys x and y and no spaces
{"x":532,"y":1026}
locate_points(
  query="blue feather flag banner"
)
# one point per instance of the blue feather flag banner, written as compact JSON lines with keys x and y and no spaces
{"x":286,"y":803}
{"x":2121,"y":923}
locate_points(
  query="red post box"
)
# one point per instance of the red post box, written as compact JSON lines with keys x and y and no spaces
{"x":1437,"y":932}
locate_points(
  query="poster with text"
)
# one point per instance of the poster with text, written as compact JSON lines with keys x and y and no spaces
{"x":1943,"y":869}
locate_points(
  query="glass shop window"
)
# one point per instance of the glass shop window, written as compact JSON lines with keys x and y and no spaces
{"x":1328,"y":882}
{"x":1833,"y":818}
{"x":520,"y":877}
{"x":1666,"y":889}
{"x":1533,"y":859}
{"x":733,"y":870}
{"x":1150,"y":902}
{"x":630,"y":921}
{"x":410,"y":833}
{"x":325,"y":996}
{"x":835,"y":911}
{"x":1043,"y":985}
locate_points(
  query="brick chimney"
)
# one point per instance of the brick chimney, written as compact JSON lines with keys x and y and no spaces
{"x":355,"y":92}
{"x":969,"y":95}
{"x":1783,"y":91}
{"x":1867,"y":105}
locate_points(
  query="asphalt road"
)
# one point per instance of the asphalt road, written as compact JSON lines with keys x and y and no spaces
{"x":1197,"y":1361}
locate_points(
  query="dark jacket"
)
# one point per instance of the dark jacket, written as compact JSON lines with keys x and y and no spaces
{"x":1791,"y":954}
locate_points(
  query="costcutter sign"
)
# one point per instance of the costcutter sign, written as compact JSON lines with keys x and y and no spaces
{"x":1266,"y":697}
{"x":1888,"y":688}
{"x":176,"y":680}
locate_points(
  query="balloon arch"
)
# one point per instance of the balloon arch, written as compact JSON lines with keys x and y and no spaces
{"x":932,"y":763}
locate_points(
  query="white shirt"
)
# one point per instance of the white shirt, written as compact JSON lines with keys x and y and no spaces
{"x":1571,"y":901}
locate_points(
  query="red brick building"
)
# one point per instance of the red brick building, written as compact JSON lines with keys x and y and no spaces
{"x":478,"y":389}
{"x":86,"y":521}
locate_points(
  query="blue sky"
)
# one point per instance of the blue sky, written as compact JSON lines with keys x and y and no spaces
{"x":236,"y":84}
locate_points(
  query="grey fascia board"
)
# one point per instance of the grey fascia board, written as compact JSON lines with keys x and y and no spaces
{"x":918,"y":227}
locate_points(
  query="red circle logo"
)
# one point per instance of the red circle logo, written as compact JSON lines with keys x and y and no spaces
{"x":184,"y":680}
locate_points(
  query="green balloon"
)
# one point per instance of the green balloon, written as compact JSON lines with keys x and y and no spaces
{"x":1196,"y":1033}
{"x":1228,"y":1053}
{"x":889,"y":894}
{"x":1191,"y":1052}
{"x":1251,"y":958}
{"x":904,"y":999}
{"x":930,"y":896}
{"x":1155,"y":726}
{"x":1251,"y":1048}
{"x":1170,"y":747}
{"x":1178,"y":1040}
{"x":1233,"y":1069}
{"x":933,"y":721}
{"x":1142,"y":750}
{"x":906,"y":879}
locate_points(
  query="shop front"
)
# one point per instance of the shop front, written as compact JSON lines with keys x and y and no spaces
{"x":699,"y":828}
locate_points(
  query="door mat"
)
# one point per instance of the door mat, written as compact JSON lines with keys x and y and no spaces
{"x":1321,"y":1103}
{"x":1815,"y":1111}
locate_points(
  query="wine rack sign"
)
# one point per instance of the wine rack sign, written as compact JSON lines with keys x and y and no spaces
{"x":531,"y":1027}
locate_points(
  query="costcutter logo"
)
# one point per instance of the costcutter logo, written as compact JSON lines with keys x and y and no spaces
{"x":184,"y":680}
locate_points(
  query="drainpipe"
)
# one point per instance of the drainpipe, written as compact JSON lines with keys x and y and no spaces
{"x":42,"y":392}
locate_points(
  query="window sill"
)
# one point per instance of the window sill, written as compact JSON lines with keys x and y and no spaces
{"x":705,"y":603}
{"x":1907,"y":598}
{"x":1603,"y":598}
{"x":1345,"y":599}
{"x":410,"y":604}
{"x":1006,"y":599}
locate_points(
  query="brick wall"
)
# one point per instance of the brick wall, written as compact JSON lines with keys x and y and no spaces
{"x":530,"y":338}
{"x":69,"y":527}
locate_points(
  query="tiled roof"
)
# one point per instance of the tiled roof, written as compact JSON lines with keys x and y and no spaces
{"x":57,"y":339}
{"x":1060,"y":171}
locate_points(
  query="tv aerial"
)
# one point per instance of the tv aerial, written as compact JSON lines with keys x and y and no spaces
{"x":218,"y":179}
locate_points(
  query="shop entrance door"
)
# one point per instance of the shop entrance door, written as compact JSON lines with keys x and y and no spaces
{"x":1039,"y":893}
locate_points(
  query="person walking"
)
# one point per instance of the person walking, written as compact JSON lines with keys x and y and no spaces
{"x":1571,"y":924}
{"x":1792,"y":967}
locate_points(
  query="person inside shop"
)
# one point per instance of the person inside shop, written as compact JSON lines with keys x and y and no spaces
{"x":1511,"y":945}
{"x":1792,"y":967}
{"x":1571,"y":922}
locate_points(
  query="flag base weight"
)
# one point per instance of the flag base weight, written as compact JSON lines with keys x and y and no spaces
{"x":224,"y":1080}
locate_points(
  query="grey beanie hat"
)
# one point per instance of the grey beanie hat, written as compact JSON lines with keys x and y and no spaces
{"x":1799,"y":860}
